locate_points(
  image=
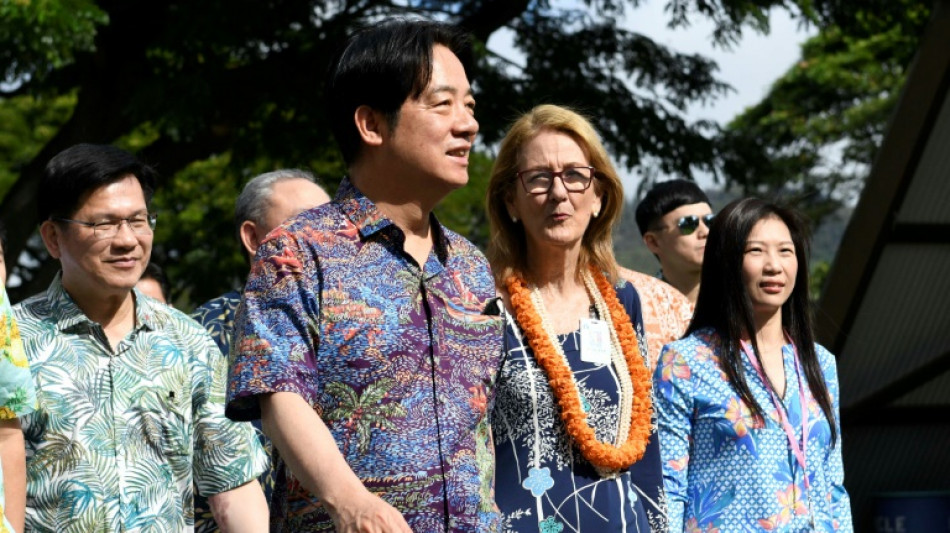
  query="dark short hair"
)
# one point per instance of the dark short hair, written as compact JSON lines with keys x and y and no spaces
{"x":665,"y":197}
{"x":153,"y":271}
{"x":78,"y":170}
{"x":724,"y":303}
{"x":381,"y":67}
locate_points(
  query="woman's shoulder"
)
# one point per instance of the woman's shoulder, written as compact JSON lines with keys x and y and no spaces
{"x":627,"y":294}
{"x":823,"y":353}
{"x":700,"y":343}
{"x":624,"y":287}
{"x":826,"y":359}
{"x":702,"y":336}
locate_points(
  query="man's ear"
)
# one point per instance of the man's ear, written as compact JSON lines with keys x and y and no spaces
{"x":370,"y":124}
{"x":51,"y":234}
{"x":249,"y":237}
{"x":649,"y":238}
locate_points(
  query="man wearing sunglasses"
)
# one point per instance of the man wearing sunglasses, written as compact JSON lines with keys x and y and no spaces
{"x":674,"y":219}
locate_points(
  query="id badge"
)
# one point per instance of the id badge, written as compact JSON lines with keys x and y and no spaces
{"x":595,"y":341}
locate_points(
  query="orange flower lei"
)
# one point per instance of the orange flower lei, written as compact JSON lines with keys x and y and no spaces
{"x":602,"y":455}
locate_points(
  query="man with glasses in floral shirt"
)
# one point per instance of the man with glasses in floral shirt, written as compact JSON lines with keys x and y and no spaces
{"x":130,"y":412}
{"x":674,"y":219}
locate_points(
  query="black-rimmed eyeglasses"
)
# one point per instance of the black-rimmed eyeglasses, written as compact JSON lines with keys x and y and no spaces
{"x":139,"y":224}
{"x":690,"y":223}
{"x":540,"y":180}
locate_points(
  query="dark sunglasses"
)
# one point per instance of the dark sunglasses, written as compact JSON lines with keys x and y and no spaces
{"x":690,"y":223}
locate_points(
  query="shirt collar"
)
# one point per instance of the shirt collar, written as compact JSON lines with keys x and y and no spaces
{"x":69,"y":315}
{"x":148,"y":312}
{"x":361,"y":211}
{"x":368,"y":219}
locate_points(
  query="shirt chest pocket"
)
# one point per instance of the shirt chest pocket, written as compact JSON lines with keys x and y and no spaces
{"x":162,"y":420}
{"x":474,"y":342}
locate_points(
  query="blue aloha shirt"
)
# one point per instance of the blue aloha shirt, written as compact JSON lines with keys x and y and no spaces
{"x":17,"y":395}
{"x":121,"y":438}
{"x":397,"y":359}
{"x":217,"y":316}
{"x":725,"y":470}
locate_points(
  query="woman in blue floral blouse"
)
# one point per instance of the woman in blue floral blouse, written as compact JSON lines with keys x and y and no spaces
{"x":747,"y":401}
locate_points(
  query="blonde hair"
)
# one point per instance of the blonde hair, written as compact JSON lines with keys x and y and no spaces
{"x":507,"y":247}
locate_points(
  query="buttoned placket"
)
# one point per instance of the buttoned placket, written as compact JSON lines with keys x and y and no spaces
{"x":427,"y":273}
{"x":118,"y":426}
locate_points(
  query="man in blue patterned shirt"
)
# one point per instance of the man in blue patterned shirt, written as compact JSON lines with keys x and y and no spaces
{"x":130,"y":415}
{"x":265,"y":202}
{"x":362,"y":341}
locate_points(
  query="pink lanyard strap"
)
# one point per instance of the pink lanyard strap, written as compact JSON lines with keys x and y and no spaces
{"x":798,"y":449}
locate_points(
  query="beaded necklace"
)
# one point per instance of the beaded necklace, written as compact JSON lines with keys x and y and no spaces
{"x":634,"y":423}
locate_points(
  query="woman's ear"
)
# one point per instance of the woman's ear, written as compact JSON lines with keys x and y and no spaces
{"x":510,"y":207}
{"x":597,"y":205}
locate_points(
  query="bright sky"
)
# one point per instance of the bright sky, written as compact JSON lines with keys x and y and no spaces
{"x":749,"y":67}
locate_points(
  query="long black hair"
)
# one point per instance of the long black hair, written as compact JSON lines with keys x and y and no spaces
{"x":724,"y":305}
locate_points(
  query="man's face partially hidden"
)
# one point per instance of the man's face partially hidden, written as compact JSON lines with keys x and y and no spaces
{"x":288,"y":198}
{"x":677,"y":252}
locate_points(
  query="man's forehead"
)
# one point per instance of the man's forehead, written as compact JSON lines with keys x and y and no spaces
{"x":121,"y":197}
{"x":451,"y":89}
{"x":700,"y":208}
{"x":295,"y":190}
{"x":448,"y":75}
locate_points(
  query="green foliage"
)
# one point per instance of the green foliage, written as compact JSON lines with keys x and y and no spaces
{"x":212,"y":93}
{"x":817,"y":276}
{"x":816,"y":133}
{"x":195,"y":239}
{"x":463,"y":211}
{"x":40,"y":36}
{"x":28,"y":122}
{"x":629,"y":248}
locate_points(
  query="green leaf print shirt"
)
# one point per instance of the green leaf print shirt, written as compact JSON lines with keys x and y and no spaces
{"x":121,"y":437}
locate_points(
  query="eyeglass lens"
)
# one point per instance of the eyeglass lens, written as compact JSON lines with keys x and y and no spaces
{"x":688,"y":224}
{"x":539,"y":181}
{"x":139,"y":225}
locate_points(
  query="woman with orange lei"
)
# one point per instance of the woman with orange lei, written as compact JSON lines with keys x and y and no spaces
{"x":575,"y":443}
